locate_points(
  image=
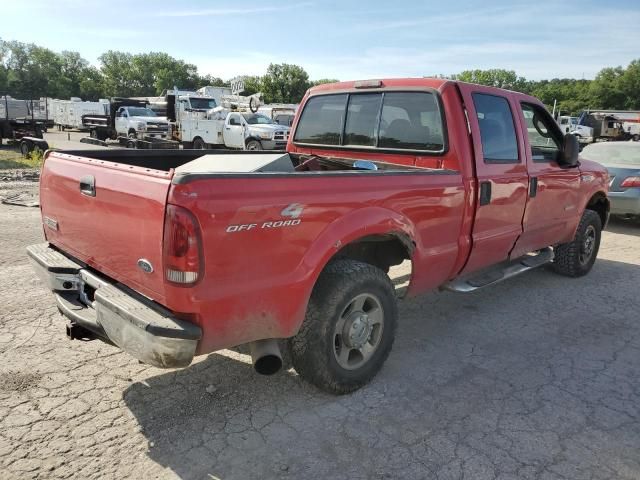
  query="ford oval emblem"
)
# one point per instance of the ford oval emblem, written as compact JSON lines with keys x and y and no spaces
{"x":145,"y":265}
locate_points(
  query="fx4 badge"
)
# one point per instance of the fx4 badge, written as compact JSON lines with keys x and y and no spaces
{"x":292,"y":211}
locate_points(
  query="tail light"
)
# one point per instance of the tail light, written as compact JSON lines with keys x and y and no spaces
{"x":182,"y":251}
{"x":630,"y":182}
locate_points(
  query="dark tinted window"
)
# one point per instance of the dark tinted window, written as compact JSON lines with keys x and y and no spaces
{"x":410,"y":120}
{"x":497,"y":131}
{"x":362,"y":119}
{"x":322,"y":120}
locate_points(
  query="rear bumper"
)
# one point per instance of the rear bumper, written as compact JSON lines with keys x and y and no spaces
{"x":625,"y":203}
{"x":114,"y":313}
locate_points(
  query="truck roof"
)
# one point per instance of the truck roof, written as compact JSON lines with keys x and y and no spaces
{"x":424,"y":82}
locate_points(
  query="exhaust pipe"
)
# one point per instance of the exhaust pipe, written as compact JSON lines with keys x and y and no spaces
{"x":266,"y":356}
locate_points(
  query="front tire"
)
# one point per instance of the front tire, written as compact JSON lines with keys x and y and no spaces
{"x":254,"y":145}
{"x":349,"y":327}
{"x":576,"y":258}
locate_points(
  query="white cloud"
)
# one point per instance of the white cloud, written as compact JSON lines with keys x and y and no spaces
{"x":216,"y":12}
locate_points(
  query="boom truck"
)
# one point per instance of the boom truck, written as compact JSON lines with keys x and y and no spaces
{"x":212,"y":117}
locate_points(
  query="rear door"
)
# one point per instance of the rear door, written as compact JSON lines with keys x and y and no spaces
{"x":554,"y":203}
{"x":107,"y":215}
{"x":501,"y":174}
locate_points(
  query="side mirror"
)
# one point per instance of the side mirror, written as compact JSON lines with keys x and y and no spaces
{"x":570,"y":150}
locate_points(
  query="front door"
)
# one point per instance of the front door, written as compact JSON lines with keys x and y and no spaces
{"x":553,"y":206}
{"x":234,"y":131}
{"x":501,"y":175}
{"x":121,"y":121}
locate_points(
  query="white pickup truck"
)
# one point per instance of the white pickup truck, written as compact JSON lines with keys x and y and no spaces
{"x":139,"y":122}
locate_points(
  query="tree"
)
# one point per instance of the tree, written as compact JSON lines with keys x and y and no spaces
{"x":322,"y":81}
{"x":284,"y":83}
{"x":494,"y":77}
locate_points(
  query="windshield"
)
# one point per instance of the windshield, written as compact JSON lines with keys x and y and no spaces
{"x":625,"y":154}
{"x":202,"y":103}
{"x":257,"y":119}
{"x":141,"y":112}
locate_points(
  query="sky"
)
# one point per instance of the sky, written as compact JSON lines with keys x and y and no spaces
{"x":343,"y":39}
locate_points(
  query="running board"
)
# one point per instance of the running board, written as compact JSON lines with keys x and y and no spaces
{"x":497,"y":274}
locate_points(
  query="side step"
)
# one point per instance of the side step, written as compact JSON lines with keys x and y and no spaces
{"x":501,"y":272}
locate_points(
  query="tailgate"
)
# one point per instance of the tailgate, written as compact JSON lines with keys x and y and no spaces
{"x":107,"y":215}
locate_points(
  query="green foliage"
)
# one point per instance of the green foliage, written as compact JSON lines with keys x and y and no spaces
{"x":29,"y":71}
{"x":284,"y":83}
{"x":494,"y":77}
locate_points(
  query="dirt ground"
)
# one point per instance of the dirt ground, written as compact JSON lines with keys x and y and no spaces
{"x":538,"y":377}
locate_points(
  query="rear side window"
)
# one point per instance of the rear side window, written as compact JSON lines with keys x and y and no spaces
{"x":322,"y":120}
{"x":410,"y":121}
{"x":497,"y":130}
{"x":390,"y":120}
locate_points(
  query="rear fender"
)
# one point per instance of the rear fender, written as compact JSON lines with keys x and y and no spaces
{"x":356,"y":225}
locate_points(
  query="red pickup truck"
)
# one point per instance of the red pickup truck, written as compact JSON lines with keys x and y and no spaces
{"x":172,"y":254}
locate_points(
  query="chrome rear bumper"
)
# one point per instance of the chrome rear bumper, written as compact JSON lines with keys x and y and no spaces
{"x":114,"y":313}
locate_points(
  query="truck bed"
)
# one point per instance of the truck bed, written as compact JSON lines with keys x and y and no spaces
{"x":264,"y":234}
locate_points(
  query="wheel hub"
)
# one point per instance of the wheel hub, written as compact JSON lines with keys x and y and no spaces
{"x":357,"y":330}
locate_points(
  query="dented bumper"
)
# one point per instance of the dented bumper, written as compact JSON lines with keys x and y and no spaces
{"x":114,"y":313}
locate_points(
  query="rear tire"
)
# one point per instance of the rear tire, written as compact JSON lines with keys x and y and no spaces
{"x":576,"y":258}
{"x":25,"y":148}
{"x":199,"y":144}
{"x":349,"y":327}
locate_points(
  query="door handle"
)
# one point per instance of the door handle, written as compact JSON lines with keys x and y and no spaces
{"x":533,"y":187}
{"x":88,"y":185}
{"x":485,"y":193}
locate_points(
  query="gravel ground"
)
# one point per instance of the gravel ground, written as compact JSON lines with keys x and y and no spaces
{"x":538,"y":377}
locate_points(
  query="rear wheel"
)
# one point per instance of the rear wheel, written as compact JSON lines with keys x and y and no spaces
{"x":349,"y":328}
{"x":636,"y":138}
{"x":576,"y":258}
{"x":199,"y":144}
{"x":25,"y":148}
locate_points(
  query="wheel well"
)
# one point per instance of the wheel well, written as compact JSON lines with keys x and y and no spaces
{"x":599,"y":203}
{"x":249,"y":139}
{"x":382,"y":251}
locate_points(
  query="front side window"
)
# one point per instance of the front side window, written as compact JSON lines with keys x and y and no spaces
{"x":497,"y":130}
{"x":543,"y":137}
{"x":390,"y":120}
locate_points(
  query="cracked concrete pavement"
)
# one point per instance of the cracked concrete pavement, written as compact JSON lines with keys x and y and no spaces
{"x":538,"y":377}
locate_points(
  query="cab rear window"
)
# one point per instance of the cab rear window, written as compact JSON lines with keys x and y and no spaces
{"x":389,"y":121}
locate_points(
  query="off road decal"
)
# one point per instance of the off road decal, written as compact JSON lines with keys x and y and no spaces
{"x":293,"y":211}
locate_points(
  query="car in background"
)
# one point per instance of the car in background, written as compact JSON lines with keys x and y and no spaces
{"x":622,"y":161}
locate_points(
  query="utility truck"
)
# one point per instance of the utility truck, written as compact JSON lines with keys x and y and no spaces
{"x":568,"y":124}
{"x":172,"y":254}
{"x":211,"y":118}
